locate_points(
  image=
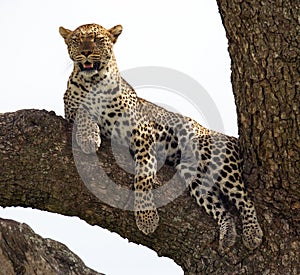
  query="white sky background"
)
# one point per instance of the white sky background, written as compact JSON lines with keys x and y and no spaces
{"x":184,"y":35}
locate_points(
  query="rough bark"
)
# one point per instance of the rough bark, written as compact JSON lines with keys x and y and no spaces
{"x":24,"y":252}
{"x":264,"y":46}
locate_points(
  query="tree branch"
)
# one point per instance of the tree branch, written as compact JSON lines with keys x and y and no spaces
{"x":24,"y":252}
{"x":38,"y":170}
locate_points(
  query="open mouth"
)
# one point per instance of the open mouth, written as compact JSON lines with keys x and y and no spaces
{"x":88,"y":66}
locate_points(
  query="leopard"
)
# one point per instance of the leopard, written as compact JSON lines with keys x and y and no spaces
{"x":103,"y":104}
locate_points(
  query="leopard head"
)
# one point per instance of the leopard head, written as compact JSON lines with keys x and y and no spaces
{"x":90,"y":46}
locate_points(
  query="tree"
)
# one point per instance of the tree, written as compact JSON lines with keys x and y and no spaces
{"x":24,"y":252}
{"x":264,"y":46}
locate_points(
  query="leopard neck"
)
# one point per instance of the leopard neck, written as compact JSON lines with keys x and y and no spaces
{"x":106,"y":79}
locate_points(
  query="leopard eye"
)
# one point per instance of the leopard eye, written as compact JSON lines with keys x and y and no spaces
{"x":75,"y":39}
{"x":99,"y":39}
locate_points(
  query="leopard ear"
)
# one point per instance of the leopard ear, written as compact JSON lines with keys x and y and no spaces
{"x":115,"y":32}
{"x":64,"y":32}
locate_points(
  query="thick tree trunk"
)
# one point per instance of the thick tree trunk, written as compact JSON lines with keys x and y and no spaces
{"x":38,"y":170}
{"x":264,"y":46}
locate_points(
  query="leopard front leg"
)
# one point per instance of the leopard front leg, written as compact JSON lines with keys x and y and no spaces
{"x":145,"y":211}
{"x":146,"y":215}
{"x":87,"y":132}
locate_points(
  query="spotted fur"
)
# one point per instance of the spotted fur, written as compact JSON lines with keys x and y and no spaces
{"x":103,"y":104}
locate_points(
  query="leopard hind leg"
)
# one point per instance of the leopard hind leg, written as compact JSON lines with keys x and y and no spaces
{"x":206,"y":194}
{"x":237,"y":194}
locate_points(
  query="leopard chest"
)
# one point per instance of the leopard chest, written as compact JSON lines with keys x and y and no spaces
{"x":116,"y":121}
{"x":111,"y":108}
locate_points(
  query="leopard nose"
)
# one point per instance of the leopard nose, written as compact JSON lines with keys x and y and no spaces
{"x":86,"y":53}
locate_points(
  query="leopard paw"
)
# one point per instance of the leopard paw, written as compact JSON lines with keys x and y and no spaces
{"x":147,"y":220}
{"x":88,"y":144}
{"x":227,"y":234}
{"x":252,"y":235}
